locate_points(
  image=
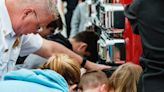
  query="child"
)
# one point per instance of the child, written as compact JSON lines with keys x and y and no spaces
{"x":56,"y":75}
{"x":125,"y":78}
{"x":94,"y":81}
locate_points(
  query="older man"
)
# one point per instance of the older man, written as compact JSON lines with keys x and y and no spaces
{"x":18,"y":18}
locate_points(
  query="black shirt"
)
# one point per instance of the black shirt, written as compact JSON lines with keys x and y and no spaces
{"x":147,"y":20}
{"x":71,"y":4}
{"x":60,"y":39}
{"x":54,"y":37}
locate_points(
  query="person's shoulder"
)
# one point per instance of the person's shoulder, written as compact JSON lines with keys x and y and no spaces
{"x":83,"y":4}
{"x":31,"y":35}
{"x":137,"y":2}
{"x":24,"y":86}
{"x":55,"y":37}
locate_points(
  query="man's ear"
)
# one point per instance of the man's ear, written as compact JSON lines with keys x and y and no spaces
{"x":82,"y":47}
{"x":27,"y":12}
{"x":103,"y":88}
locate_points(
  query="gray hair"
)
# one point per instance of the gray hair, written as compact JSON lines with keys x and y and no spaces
{"x":50,"y":4}
{"x":53,"y":7}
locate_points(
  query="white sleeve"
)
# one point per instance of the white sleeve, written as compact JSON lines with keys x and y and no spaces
{"x":30,"y":44}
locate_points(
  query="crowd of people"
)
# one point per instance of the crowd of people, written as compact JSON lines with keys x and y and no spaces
{"x":60,"y":73}
{"x":35,"y":56}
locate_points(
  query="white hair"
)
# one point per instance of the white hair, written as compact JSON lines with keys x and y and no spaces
{"x":48,"y":5}
{"x":53,"y":7}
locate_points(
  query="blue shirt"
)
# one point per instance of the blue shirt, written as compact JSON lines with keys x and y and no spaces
{"x":33,"y":81}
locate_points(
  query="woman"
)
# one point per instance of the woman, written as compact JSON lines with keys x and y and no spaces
{"x":56,"y":75}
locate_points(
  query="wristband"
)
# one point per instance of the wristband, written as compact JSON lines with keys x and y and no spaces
{"x":84,"y":62}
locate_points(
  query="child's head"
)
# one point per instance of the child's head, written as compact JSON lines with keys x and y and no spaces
{"x":125,"y":78}
{"x":64,"y":65}
{"x":94,"y":81}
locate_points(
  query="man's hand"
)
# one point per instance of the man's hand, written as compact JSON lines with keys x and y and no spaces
{"x":73,"y":88}
{"x":93,"y":66}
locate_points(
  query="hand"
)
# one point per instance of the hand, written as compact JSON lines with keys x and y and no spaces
{"x":93,"y":66}
{"x":72,"y":88}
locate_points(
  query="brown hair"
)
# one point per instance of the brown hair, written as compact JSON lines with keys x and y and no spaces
{"x":58,"y":23}
{"x":125,"y":78}
{"x":93,"y":79}
{"x":64,"y":65}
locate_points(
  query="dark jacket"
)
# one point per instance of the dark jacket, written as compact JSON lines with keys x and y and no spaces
{"x":147,"y":20}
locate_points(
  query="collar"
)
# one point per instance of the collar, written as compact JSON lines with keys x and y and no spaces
{"x":5,"y":18}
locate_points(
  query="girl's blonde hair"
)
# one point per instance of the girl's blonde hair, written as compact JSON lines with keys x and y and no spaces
{"x":125,"y":78}
{"x":64,"y":65}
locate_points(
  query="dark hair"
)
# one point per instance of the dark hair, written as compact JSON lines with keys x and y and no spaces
{"x":109,"y":71}
{"x":56,"y":24}
{"x":90,"y":38}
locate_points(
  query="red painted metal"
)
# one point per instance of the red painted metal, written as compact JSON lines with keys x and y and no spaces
{"x":132,"y":41}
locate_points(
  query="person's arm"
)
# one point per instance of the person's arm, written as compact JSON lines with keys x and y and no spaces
{"x":75,"y":21}
{"x":50,"y":47}
{"x":131,"y":12}
{"x":72,"y":88}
